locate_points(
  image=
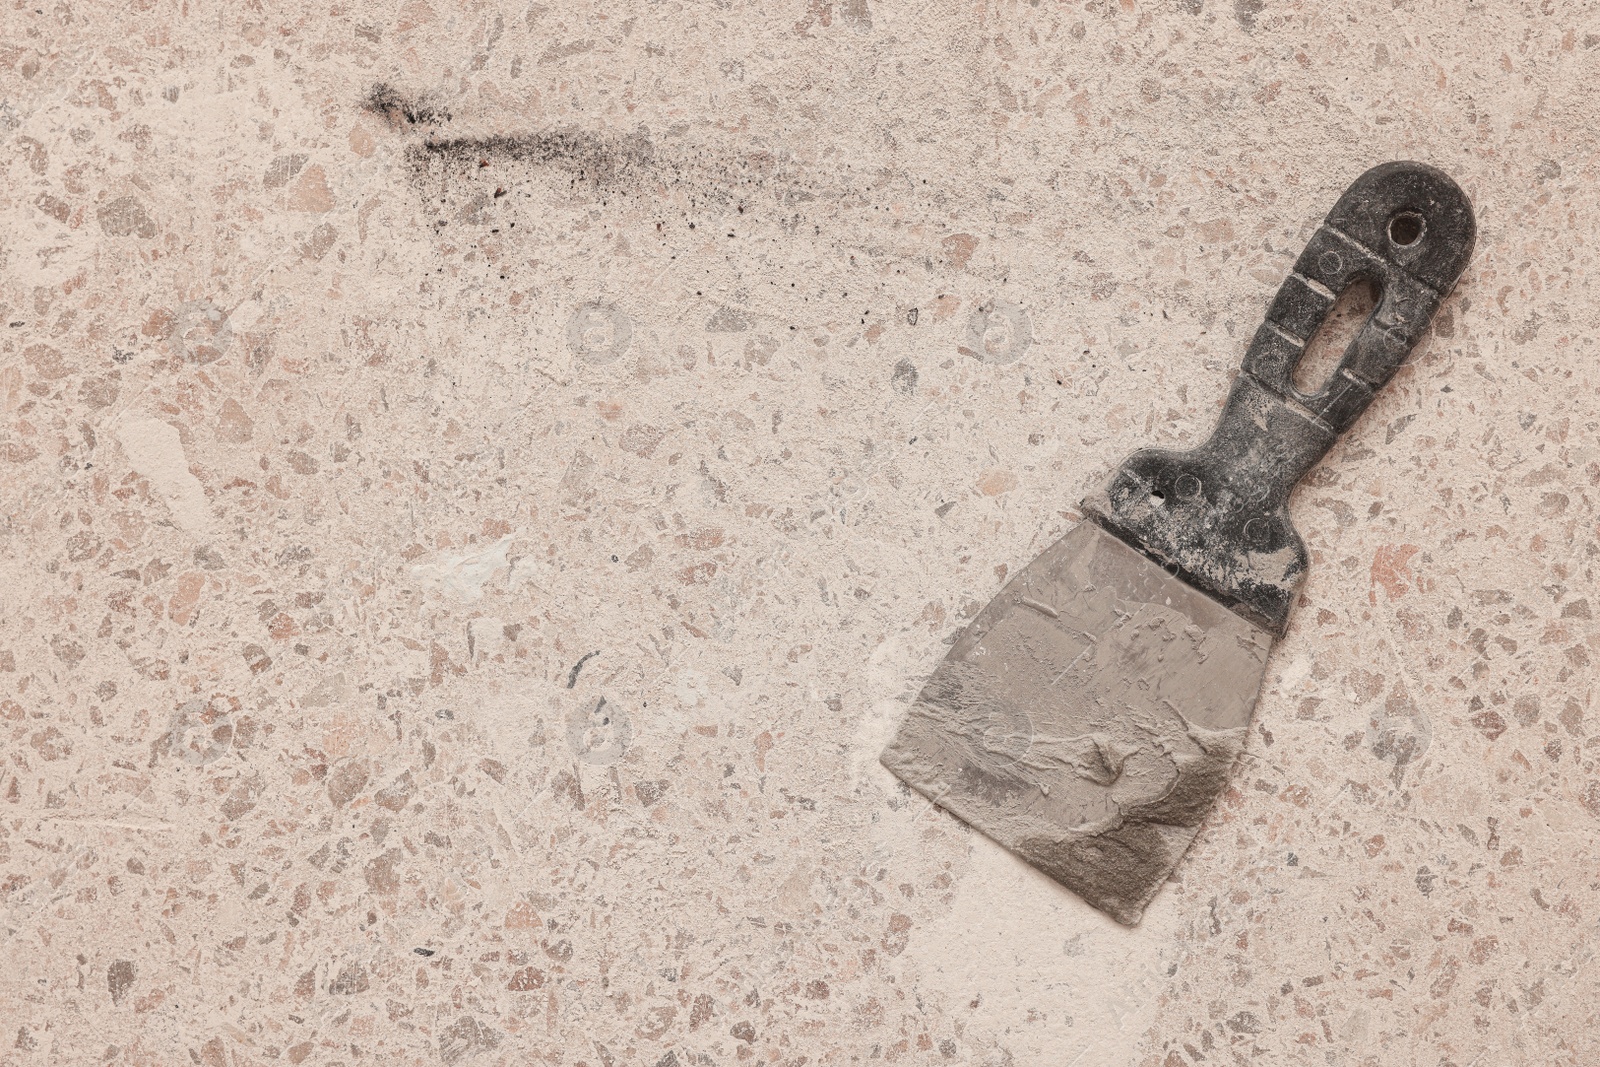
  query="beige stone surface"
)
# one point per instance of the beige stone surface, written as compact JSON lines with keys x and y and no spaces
{"x":453,"y":600}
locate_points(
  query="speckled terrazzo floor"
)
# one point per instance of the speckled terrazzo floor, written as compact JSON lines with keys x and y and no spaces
{"x":482,"y":482}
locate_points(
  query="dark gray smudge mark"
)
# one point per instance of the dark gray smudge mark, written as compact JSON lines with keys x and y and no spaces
{"x":119,"y":976}
{"x":387,"y":103}
{"x":998,"y":331}
{"x":200,"y":733}
{"x":1247,"y":11}
{"x":904,"y":378}
{"x":199,"y":332}
{"x":856,"y":13}
{"x":466,"y":1036}
{"x":728,"y":320}
{"x":352,"y":979}
{"x":126,"y":217}
{"x":599,"y":333}
{"x":1400,"y":734}
{"x":1245,"y":1022}
{"x":598,"y":735}
{"x":572,"y":676}
{"x":283,"y":168}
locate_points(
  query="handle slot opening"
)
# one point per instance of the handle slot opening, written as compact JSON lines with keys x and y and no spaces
{"x":1339,"y":327}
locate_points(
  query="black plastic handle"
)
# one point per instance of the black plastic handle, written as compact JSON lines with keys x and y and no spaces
{"x":1218,"y":515}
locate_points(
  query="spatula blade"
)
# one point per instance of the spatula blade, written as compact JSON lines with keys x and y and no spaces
{"x":1088,"y":718}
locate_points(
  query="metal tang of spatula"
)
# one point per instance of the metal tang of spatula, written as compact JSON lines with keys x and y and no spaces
{"x":1089,"y":717}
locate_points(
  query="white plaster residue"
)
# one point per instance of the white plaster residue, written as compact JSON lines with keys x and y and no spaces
{"x":155,"y":450}
{"x":486,"y":637}
{"x":1297,"y":671}
{"x":465,"y":576}
{"x":889,"y":689}
{"x":1064,"y":983}
{"x":512,"y":721}
{"x":246,"y":315}
{"x":691,"y":688}
{"x":531,"y":572}
{"x":330,"y":691}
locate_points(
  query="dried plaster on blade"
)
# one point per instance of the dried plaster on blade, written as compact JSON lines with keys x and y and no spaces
{"x":1088,"y":718}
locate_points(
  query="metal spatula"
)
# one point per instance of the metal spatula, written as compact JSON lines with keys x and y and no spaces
{"x":1089,"y":716}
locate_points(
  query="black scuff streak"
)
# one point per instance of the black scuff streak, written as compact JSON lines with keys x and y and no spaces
{"x":607,"y":165}
{"x":385,"y":101}
{"x":591,"y":159}
{"x":572,"y":676}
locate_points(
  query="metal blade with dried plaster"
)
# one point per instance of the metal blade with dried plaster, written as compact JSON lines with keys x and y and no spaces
{"x":1088,"y":718}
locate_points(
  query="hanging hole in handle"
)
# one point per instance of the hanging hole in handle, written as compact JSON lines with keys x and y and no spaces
{"x":1340,"y":326}
{"x":1405,"y":229}
{"x":1157,"y":498}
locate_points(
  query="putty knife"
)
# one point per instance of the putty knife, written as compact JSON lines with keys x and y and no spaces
{"x":1090,"y":715}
